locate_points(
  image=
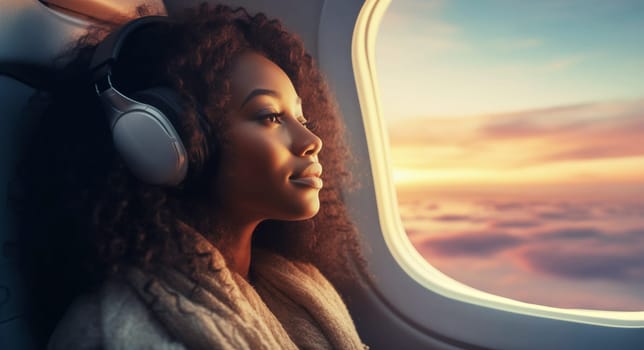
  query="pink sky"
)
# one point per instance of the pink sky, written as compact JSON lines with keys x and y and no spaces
{"x":553,"y":251}
{"x":588,"y":143}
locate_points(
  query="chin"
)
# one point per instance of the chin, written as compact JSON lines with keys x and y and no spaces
{"x":304,"y":213}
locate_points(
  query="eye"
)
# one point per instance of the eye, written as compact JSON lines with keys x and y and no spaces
{"x":273,"y":117}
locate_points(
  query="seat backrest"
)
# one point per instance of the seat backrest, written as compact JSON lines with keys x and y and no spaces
{"x":13,"y":331}
{"x":30,"y":33}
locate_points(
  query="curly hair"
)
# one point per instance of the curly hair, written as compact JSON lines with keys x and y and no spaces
{"x":82,"y":216}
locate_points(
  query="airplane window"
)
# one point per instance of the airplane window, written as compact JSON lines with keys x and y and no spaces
{"x":515,"y":133}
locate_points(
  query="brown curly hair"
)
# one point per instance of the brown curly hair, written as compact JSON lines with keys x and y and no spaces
{"x":82,"y":215}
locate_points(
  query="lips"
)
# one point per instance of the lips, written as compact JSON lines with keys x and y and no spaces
{"x":312,"y":170}
{"x":309,"y":177}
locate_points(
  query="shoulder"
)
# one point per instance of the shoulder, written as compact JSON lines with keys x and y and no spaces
{"x":115,"y":318}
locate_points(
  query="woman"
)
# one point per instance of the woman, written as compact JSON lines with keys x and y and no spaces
{"x":237,"y":253}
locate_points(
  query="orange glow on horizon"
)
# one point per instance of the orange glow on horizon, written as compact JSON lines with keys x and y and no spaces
{"x":620,"y":170}
{"x":591,"y":144}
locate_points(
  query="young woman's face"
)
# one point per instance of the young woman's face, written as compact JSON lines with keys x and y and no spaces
{"x":269,"y":168}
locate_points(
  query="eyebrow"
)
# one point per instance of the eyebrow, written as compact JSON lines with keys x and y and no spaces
{"x":258,"y":92}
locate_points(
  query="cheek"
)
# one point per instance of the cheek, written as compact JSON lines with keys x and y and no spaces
{"x":257,"y":155}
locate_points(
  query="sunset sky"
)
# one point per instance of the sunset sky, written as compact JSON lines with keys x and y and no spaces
{"x":517,"y":142}
{"x":513,"y":92}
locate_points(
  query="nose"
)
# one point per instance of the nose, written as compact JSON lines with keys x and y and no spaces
{"x":308,"y":143}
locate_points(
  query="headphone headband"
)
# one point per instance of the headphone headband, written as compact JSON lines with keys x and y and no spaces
{"x":108,"y":50}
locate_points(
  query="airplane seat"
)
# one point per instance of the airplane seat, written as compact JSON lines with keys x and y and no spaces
{"x":31,"y":35}
{"x":14,"y":333}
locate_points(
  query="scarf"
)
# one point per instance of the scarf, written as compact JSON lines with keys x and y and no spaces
{"x":291,"y":305}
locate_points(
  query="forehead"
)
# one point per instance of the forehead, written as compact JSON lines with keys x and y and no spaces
{"x":253,"y":71}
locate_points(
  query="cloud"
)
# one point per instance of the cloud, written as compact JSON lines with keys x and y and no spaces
{"x":575,"y":253}
{"x":515,"y":224}
{"x":417,"y":204}
{"x":542,"y":137}
{"x":633,"y":210}
{"x":569,"y":234}
{"x":472,"y":244}
{"x":503,"y":206}
{"x":538,"y":122}
{"x":634,"y":237}
{"x":567,"y":250}
{"x":456,"y":218}
{"x":418,"y":210}
{"x":598,"y":151}
{"x":600,"y":260}
{"x":610,"y":117}
{"x":453,"y":217}
{"x":514,"y":129}
{"x":586,"y":264}
{"x":587,"y":252}
{"x":566,"y":214}
{"x":432,"y":206}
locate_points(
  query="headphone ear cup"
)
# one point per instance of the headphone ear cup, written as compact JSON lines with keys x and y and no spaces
{"x":169,"y":103}
{"x":146,"y":139}
{"x":162,"y":98}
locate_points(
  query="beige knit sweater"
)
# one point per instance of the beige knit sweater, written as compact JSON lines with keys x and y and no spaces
{"x":291,"y":305}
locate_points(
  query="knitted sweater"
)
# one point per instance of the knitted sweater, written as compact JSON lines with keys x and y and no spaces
{"x":290,"y":306}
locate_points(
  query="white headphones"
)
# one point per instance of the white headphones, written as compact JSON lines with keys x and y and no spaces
{"x":141,"y":128}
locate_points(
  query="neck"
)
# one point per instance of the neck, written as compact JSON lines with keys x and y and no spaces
{"x":235,"y":246}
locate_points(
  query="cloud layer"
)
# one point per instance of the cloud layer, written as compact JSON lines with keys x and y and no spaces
{"x":556,"y":242}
